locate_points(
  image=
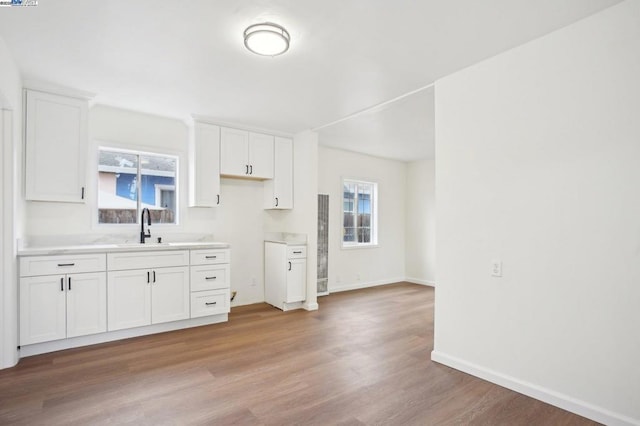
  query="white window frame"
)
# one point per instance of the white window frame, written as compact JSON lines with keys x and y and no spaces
{"x":374,"y":213}
{"x":139,"y":153}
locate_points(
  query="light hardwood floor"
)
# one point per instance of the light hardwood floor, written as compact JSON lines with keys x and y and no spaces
{"x":363,"y":358}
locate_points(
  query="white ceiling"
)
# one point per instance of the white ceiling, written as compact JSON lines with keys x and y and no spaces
{"x":177,"y":58}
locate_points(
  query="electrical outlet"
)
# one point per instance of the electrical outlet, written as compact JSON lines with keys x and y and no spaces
{"x":496,"y":268}
{"x":337,"y":279}
{"x":253,"y":281}
{"x":358,"y":277}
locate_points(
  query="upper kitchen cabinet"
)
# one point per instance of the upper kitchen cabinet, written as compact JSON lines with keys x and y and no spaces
{"x":246,"y":154}
{"x":204,"y":166}
{"x":278,"y":192}
{"x":56,"y":147}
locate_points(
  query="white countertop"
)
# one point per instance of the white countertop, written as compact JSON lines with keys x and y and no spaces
{"x":289,"y":243}
{"x":109,"y":248}
{"x":287,"y":238}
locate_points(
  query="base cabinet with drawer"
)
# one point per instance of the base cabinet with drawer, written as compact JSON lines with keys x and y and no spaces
{"x":210,"y":282}
{"x":68,"y":304}
{"x":71,"y":300}
{"x":285,"y":275}
{"x":156,"y":294}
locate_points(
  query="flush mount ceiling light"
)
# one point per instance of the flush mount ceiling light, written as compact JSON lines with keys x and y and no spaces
{"x":266,"y":39}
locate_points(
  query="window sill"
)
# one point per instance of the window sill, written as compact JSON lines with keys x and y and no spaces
{"x":361,"y":246}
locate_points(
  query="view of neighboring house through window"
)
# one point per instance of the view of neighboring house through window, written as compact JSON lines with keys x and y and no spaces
{"x":129,"y":181}
{"x":359,"y":201}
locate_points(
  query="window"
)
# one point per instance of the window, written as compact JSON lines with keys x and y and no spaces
{"x":359,"y":208}
{"x":129,"y":181}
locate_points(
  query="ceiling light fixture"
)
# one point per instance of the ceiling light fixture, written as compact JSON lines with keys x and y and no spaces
{"x":266,"y":39}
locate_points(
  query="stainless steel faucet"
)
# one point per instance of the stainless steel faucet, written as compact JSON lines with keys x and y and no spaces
{"x":143,"y":235}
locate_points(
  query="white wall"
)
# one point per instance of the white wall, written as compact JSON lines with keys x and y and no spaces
{"x":420,"y":222}
{"x":363,"y":267}
{"x":10,"y":224}
{"x":303,"y":219}
{"x":537,"y":164}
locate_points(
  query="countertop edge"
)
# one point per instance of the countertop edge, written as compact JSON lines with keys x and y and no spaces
{"x":113,"y":248}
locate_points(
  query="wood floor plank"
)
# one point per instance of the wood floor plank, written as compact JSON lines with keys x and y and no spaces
{"x":362,"y":359}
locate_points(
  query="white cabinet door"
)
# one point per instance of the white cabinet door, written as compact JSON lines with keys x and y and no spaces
{"x":86,"y":304}
{"x":296,"y":280}
{"x":42,"y":309}
{"x":169,"y":294}
{"x":204,"y":166}
{"x":278,"y":193}
{"x":56,"y":141}
{"x":234,"y":152}
{"x":128,"y":299}
{"x":260,"y":156}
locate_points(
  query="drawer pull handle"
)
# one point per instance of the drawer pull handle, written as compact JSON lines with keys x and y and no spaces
{"x":210,"y":278}
{"x":289,"y":265}
{"x":211,"y":257}
{"x":62,"y":284}
{"x":210,"y":303}
{"x":66,"y":264}
{"x":297,"y":252}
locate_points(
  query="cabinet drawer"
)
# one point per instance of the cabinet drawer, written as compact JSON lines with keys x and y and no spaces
{"x":208,"y":257}
{"x":147,"y":259}
{"x":296,"y":252}
{"x":209,"y":277}
{"x":211,"y":302}
{"x":63,"y":264}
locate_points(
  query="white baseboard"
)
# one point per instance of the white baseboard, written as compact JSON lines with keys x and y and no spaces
{"x":549,"y":396}
{"x":359,"y":285}
{"x":420,"y":281}
{"x":310,"y":306}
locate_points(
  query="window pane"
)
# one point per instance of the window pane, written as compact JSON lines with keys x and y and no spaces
{"x":158,"y":186}
{"x":349,"y":234}
{"x":348,"y":216}
{"x":364,"y":235}
{"x":359,"y":208}
{"x":117,"y":187}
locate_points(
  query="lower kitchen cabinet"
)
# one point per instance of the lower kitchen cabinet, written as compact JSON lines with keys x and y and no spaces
{"x":142,"y":297}
{"x":55,"y":307}
{"x":285,"y":274}
{"x":64,"y":296}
